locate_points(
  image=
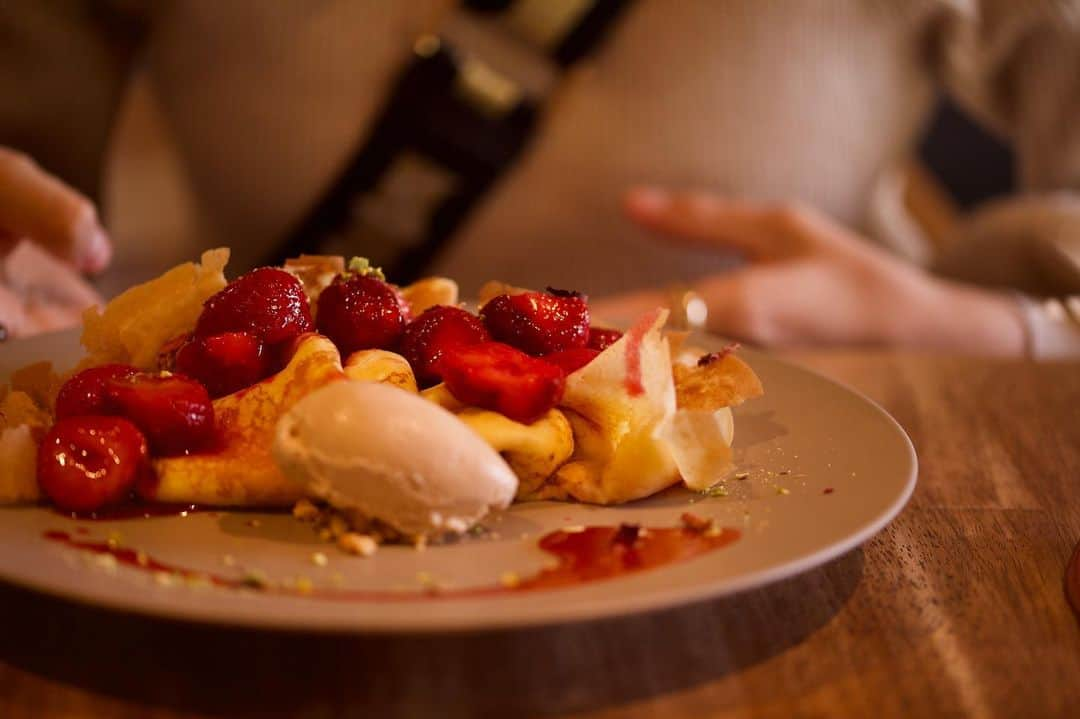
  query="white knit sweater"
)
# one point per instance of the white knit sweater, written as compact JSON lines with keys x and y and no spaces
{"x":814,"y":100}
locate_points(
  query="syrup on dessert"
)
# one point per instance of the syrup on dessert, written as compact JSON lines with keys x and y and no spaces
{"x":634,"y":337}
{"x":583,"y":555}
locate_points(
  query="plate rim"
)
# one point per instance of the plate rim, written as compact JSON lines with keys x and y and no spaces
{"x":564,"y":613}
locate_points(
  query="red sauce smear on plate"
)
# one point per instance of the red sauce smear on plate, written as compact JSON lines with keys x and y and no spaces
{"x":593,"y":554}
{"x":1072,"y":581}
{"x":634,"y":337}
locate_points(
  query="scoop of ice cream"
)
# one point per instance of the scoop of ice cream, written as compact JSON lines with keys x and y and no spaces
{"x":391,"y":456}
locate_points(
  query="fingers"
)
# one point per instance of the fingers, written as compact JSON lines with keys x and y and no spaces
{"x":759,"y":231}
{"x":624,"y":308}
{"x":32,"y":273}
{"x":12,"y":313}
{"x":36,"y":205}
{"x":39,"y":293}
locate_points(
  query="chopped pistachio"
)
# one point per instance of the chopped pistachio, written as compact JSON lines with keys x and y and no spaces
{"x":254,"y":579}
{"x":362,"y":266}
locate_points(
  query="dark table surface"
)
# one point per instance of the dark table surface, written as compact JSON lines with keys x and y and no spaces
{"x":956,"y":609}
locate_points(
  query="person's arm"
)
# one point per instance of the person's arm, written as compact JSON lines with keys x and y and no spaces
{"x":810,"y":281}
{"x":63,"y":72}
{"x":49,"y":234}
{"x":1015,"y":66}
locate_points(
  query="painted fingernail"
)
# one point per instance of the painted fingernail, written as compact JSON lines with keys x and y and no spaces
{"x":97,"y":251}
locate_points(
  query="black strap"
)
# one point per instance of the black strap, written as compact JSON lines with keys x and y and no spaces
{"x":427,"y":115}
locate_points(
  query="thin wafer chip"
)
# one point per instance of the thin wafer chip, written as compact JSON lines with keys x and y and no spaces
{"x":137,"y":323}
{"x":718,"y":380}
{"x":430,"y":291}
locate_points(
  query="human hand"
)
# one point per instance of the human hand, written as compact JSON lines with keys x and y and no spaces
{"x":49,"y":234}
{"x":809,"y":281}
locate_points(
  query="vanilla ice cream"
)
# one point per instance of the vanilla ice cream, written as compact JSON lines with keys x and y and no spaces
{"x":392,"y":456}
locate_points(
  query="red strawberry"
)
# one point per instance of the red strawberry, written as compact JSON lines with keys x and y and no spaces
{"x":172,"y":410}
{"x":539,"y":322}
{"x":572,"y":360}
{"x":601,"y":339}
{"x":361,"y":312}
{"x":498,"y":377}
{"x":85,"y":463}
{"x":439,"y":330}
{"x":85,"y":393}
{"x":267,"y":302}
{"x":224,"y":363}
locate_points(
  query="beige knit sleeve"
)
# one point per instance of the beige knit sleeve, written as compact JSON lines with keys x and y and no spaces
{"x":1015,"y":64}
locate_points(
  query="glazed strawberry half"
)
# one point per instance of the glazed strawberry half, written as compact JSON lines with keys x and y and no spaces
{"x":86,"y":393}
{"x":539,"y":323}
{"x":359,"y":312}
{"x":85,"y":463}
{"x":224,"y":363}
{"x":601,"y":338}
{"x":436,"y":332}
{"x":267,"y":302}
{"x":173,"y":411}
{"x":498,"y":377}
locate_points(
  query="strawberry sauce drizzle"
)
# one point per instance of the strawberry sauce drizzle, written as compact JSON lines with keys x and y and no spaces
{"x":634,"y":337}
{"x":592,"y":554}
{"x":1072,"y":581}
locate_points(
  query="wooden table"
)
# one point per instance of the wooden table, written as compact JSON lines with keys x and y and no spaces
{"x":957,"y":609}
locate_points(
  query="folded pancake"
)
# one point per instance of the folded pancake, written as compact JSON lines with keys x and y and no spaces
{"x":534,"y":451}
{"x":617,"y":405}
{"x":381,"y":366}
{"x":240,"y":471}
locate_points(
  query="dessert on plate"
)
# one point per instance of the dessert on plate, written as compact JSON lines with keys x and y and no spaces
{"x":393,"y":410}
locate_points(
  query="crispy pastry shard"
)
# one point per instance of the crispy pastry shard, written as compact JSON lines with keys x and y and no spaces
{"x":428,"y":292}
{"x":717,"y":380}
{"x":493,"y":288}
{"x":138,"y":322}
{"x":22,"y":424}
{"x":702,"y":429}
{"x":315,"y":272}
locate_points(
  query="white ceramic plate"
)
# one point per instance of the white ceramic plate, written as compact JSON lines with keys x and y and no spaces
{"x":827,"y":470}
